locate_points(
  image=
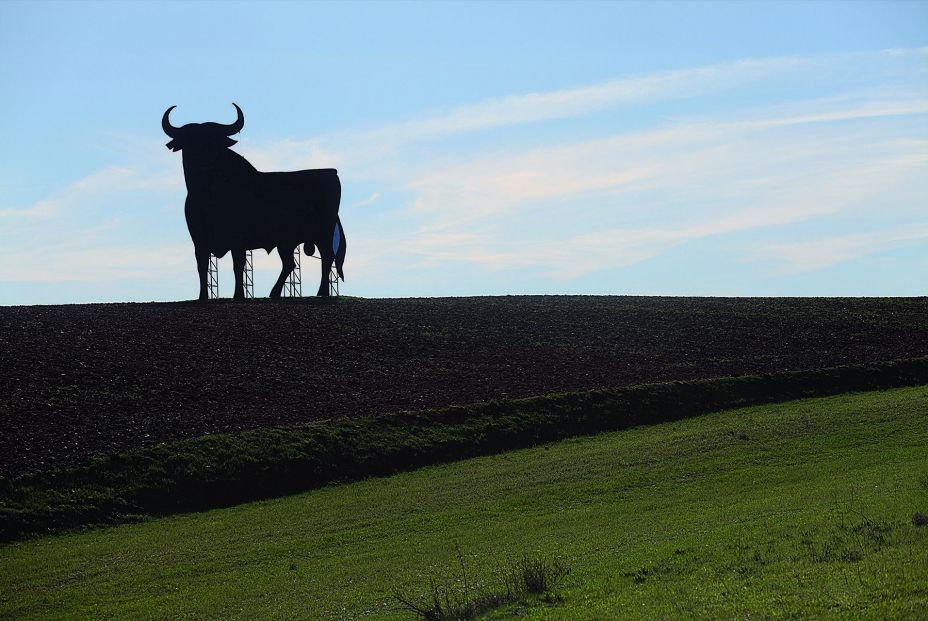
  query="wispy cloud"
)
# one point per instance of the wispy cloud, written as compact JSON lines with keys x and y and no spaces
{"x":291,"y":154}
{"x":89,"y":258}
{"x":572,"y":102}
{"x":370,"y":200}
{"x":99,"y":186}
{"x":827,"y":251}
{"x":368,"y":146}
{"x":79,"y":232}
{"x":563,"y":255}
{"x":364,"y":146}
{"x":758,"y":176}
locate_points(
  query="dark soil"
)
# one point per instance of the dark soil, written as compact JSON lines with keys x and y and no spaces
{"x":85,"y":380}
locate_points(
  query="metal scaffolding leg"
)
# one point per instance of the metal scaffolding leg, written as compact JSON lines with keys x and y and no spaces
{"x":293,"y":286}
{"x":248,"y":275}
{"x":333,"y":281}
{"x":212,"y":277}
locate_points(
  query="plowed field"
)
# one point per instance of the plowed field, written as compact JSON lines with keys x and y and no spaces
{"x":84,"y":380}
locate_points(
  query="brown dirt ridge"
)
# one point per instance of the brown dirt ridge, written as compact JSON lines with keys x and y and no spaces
{"x":78,"y":381}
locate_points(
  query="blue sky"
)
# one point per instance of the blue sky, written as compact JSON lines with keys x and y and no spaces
{"x":484,"y":148}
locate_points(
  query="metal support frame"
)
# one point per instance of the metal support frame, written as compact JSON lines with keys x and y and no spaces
{"x":248,"y":276}
{"x":333,"y":281}
{"x":212,"y":277}
{"x":293,"y":286}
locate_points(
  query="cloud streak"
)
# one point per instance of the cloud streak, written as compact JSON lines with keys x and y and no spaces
{"x":573,"y":102}
{"x":811,"y":255}
{"x":363,"y":146}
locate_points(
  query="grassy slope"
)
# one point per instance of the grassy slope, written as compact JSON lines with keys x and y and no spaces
{"x":801,"y":507}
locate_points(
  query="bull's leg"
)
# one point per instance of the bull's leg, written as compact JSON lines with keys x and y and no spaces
{"x":287,"y":264}
{"x":238,"y":266}
{"x":202,"y":256}
{"x":327,"y":254}
{"x":326,"y":269}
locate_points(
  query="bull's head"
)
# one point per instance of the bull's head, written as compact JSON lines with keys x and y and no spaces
{"x":201,"y":135}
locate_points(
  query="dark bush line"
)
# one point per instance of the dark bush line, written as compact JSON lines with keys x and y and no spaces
{"x":222,"y":470}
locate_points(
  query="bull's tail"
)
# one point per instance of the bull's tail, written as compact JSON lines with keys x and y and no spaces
{"x":339,"y":244}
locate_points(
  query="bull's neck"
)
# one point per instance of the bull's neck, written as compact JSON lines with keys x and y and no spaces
{"x":204,"y":169}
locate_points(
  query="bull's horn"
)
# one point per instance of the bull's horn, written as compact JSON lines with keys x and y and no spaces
{"x":169,"y":129}
{"x":237,"y":126}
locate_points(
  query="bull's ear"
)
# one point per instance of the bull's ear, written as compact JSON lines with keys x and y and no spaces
{"x":173,"y":146}
{"x":229,"y":142}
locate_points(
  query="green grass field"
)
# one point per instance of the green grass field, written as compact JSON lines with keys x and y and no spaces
{"x":797,"y":509}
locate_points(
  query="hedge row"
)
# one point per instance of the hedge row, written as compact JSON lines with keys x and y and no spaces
{"x":222,"y":470}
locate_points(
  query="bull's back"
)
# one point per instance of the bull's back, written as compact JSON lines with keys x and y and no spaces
{"x":320,"y":187}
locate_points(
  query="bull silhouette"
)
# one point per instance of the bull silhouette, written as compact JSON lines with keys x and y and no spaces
{"x":233,"y":207}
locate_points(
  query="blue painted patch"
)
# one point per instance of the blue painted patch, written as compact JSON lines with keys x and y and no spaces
{"x":336,"y":238}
